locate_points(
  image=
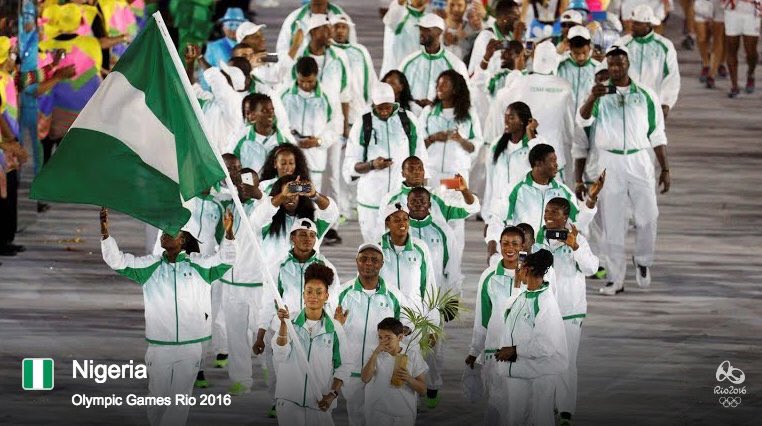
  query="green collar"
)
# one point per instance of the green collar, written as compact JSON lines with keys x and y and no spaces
{"x":533,"y":294}
{"x":434,"y":56}
{"x":499,"y":34}
{"x":395,"y":110}
{"x":181,"y":257}
{"x":386,"y":242}
{"x":529,"y":181}
{"x":324,"y":319}
{"x":311,"y":259}
{"x":414,"y":12}
{"x":500,"y":270}
{"x":380,"y":289}
{"x":574,"y":63}
{"x":415,"y":223}
{"x":315,"y":94}
{"x":646,"y":38}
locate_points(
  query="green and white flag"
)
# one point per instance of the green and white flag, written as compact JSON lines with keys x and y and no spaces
{"x":37,"y":373}
{"x":137,"y":146}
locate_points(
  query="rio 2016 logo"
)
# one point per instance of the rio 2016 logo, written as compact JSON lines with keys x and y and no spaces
{"x":730,"y":394}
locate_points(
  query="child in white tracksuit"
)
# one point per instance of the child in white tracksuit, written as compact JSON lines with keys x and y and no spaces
{"x":532,"y":348}
{"x":177,"y":297}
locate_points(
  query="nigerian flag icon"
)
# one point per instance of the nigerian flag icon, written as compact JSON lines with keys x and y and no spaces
{"x":37,"y":373}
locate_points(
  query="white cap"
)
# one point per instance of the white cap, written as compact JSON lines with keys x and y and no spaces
{"x":644,"y":13}
{"x":247,"y":29}
{"x":303,"y":223}
{"x":602,"y":66}
{"x":390,"y":209}
{"x":235,"y":74}
{"x":382,"y":94}
{"x":545,"y":59}
{"x":572,"y":16}
{"x":372,"y":246}
{"x":431,"y":20}
{"x":618,"y":47}
{"x":341,"y":19}
{"x":316,"y":21}
{"x":578,"y":31}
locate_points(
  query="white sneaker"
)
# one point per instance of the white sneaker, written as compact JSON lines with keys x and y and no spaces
{"x":642,"y":274}
{"x":611,"y":288}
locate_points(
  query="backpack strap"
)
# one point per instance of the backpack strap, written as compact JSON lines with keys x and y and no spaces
{"x":367,"y":130}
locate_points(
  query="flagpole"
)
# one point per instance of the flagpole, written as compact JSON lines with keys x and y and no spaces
{"x":268,"y":277}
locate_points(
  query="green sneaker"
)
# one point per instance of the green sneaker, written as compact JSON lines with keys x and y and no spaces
{"x":601,"y":274}
{"x":237,"y":389}
{"x":201,"y":381}
{"x":432,"y":398}
{"x":221,"y":361}
{"x":565,"y":422}
{"x":266,"y":373}
{"x":272,"y":413}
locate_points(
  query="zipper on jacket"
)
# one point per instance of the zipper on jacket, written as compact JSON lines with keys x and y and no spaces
{"x":510,"y":364}
{"x":365,"y":332}
{"x":306,"y":375}
{"x":388,"y":155}
{"x":177,"y":314}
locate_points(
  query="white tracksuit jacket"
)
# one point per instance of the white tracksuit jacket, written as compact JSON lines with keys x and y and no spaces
{"x":177,"y":296}
{"x":297,"y":19}
{"x":276,"y":247}
{"x":441,"y":242}
{"x":448,"y":158}
{"x":526,"y":202}
{"x":401,"y":34}
{"x":653,"y":64}
{"x":570,"y":268}
{"x":494,"y":295}
{"x":252,"y":148}
{"x":511,"y":166}
{"x":327,"y":356}
{"x":314,"y":114}
{"x":411,"y":271}
{"x":388,"y":140}
{"x":333,"y":72}
{"x":488,"y":84}
{"x":534,"y":326}
{"x":446,"y":205}
{"x":246,"y":272}
{"x":290,"y":284}
{"x":423,"y":69}
{"x":222,"y":115}
{"x":365,"y":312}
{"x":362,"y":75}
{"x":480,"y":47}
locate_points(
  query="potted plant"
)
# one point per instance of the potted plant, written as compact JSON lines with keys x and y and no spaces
{"x":425,"y":332}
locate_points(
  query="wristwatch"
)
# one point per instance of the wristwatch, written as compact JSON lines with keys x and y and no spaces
{"x":334,"y":393}
{"x":319,"y":141}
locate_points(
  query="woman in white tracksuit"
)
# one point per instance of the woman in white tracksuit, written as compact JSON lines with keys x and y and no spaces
{"x":533,"y":348}
{"x":496,"y":291}
{"x":177,"y":296}
{"x":277,"y":213}
{"x":508,"y":161}
{"x":315,"y":116}
{"x":450,"y":129}
{"x":323,"y":341}
{"x":375,"y":154}
{"x":572,"y":262}
{"x":284,"y":160}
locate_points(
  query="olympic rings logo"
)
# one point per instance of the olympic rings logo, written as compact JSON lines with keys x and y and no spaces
{"x":725,"y":371}
{"x":730,"y":401}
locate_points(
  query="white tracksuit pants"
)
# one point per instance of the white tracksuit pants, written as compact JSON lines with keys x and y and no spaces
{"x":269,"y":364}
{"x":435,"y":362}
{"x":370,"y":224}
{"x":353,"y":391}
{"x":497,"y":389}
{"x":630,"y":182}
{"x":566,"y":387}
{"x":530,"y":401}
{"x":378,"y":418}
{"x":331,"y":185}
{"x":171,"y":371}
{"x":241,"y":307}
{"x":219,"y":333}
{"x":290,"y":414}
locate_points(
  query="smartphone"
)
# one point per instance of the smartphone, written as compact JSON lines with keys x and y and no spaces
{"x":557,"y":234}
{"x":450,"y":183}
{"x":522,"y":258}
{"x":299,"y":187}
{"x":611,"y":89}
{"x":270,"y":58}
{"x":529,"y":45}
{"x":248,"y":179}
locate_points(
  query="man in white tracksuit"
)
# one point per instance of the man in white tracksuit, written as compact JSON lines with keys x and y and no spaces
{"x":653,"y":59}
{"x":627,"y":124}
{"x":550,"y":99}
{"x":532,"y":348}
{"x":401,"y":31}
{"x":507,"y":21}
{"x":378,"y":144}
{"x":223,"y":114}
{"x":525,"y":201}
{"x":496,"y":290}
{"x":315,"y":117}
{"x":422,"y":68}
{"x":297,"y":21}
{"x":175,"y":285}
{"x":572,"y":261}
{"x":363,"y":302}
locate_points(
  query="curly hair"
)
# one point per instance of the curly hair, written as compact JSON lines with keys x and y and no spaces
{"x":305,"y":208}
{"x":319,"y":272}
{"x":270,"y":172}
{"x":539,"y":262}
{"x":460,"y":94}
{"x":406,"y":96}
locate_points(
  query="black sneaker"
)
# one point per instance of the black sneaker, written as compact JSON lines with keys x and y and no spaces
{"x":331,"y":237}
{"x":7,"y":250}
{"x":42,"y":207}
{"x":221,"y":361}
{"x":18,"y":248}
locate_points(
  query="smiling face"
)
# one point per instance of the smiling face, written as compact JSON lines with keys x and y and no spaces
{"x":369,"y":263}
{"x":555,"y":217}
{"x":444,"y":88}
{"x":398,"y":224}
{"x":315,"y":294}
{"x":285,"y":163}
{"x":513,"y":124}
{"x":262,"y":115}
{"x":303,"y":241}
{"x":510,"y":246}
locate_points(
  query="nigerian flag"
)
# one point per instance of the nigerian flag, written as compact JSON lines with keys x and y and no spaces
{"x":137,"y":146}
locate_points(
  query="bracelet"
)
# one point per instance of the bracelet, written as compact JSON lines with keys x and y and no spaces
{"x":372,"y":166}
{"x":665,"y":170}
{"x":484,"y":61}
{"x":580,"y":183}
{"x":315,"y":197}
